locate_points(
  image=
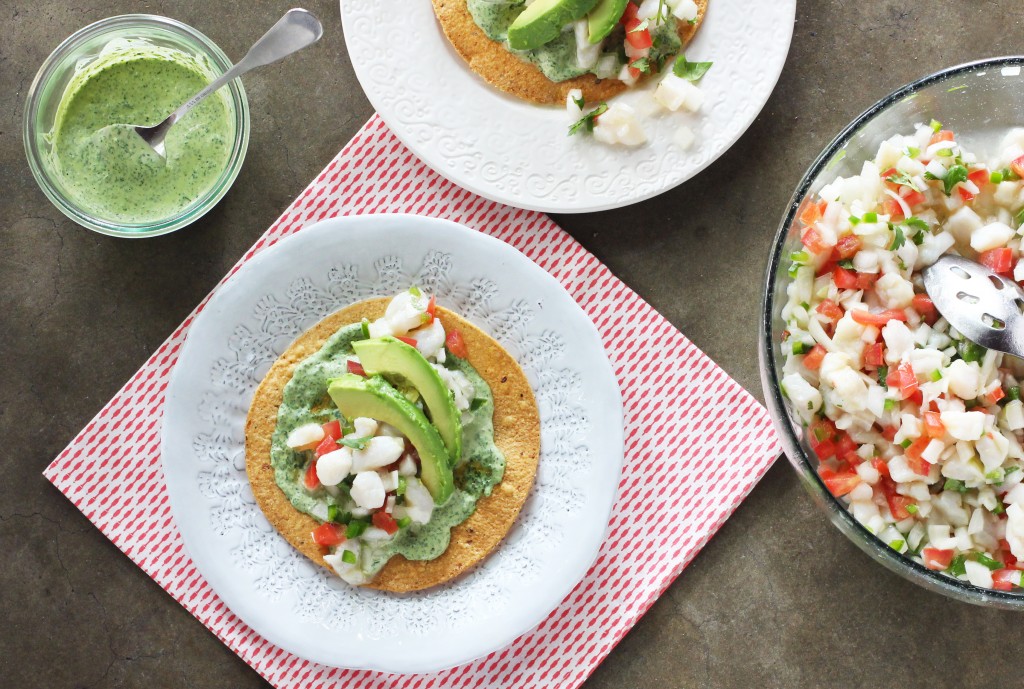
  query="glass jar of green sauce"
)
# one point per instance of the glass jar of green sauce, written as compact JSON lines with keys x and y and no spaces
{"x":134,"y":69}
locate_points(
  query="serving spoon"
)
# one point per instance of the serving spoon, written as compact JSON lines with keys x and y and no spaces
{"x":985,"y":307}
{"x":292,"y":32}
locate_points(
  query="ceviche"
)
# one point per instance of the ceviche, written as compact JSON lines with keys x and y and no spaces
{"x":919,"y":431}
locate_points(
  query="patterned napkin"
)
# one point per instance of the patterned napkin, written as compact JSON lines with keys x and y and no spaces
{"x":696,"y":443}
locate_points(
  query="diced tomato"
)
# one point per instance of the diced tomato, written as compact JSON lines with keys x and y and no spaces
{"x":826,"y":268}
{"x":830,"y":310}
{"x":897,"y":503}
{"x":893,"y":209}
{"x":886,"y":175}
{"x":923,"y":304}
{"x":1006,"y":556}
{"x":356,"y":368}
{"x":821,"y":430}
{"x":964,"y":194}
{"x":811,"y":238}
{"x":383,"y":520}
{"x":848,"y":246}
{"x":1018,"y":166}
{"x":881,"y":466}
{"x":629,"y":12}
{"x":824,"y":448}
{"x":812,"y":360}
{"x":845,"y":445}
{"x":867,"y":318}
{"x":937,"y":558}
{"x":914,"y":198}
{"x":332,"y":429}
{"x":407,"y":340}
{"x":913,"y":454}
{"x":874,"y":354}
{"x":840,"y":484}
{"x":933,"y":426}
{"x":866,"y":281}
{"x":638,"y":39}
{"x":634,"y":73}
{"x":844,"y":279}
{"x":456,"y":345}
{"x":990,"y":398}
{"x":889,"y":433}
{"x":908,"y":379}
{"x":941,"y":135}
{"x":326,"y":445}
{"x":1002,"y":579}
{"x":328,"y":535}
{"x":979,"y":177}
{"x":311,"y":480}
{"x":431,"y":308}
{"x":812,"y":212}
{"x":997,"y":260}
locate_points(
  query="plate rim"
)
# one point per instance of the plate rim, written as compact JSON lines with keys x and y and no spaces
{"x":470,"y":185}
{"x":526,"y":622}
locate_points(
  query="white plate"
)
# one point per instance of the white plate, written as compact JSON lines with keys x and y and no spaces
{"x":282,"y":292}
{"x":517,"y":153}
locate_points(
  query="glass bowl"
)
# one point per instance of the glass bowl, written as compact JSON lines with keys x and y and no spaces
{"x":83,"y":46}
{"x":979,"y":101}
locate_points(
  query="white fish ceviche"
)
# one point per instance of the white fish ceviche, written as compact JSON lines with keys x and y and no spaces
{"x":918,"y":431}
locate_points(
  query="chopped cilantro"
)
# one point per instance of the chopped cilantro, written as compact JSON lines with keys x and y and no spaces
{"x":1014,"y":392}
{"x":355,"y":443}
{"x":642,"y":64}
{"x":902,"y":179}
{"x":579,"y":102}
{"x":955,"y":175}
{"x":1019,"y":217}
{"x":956,"y":567}
{"x":846,"y":263}
{"x":691,"y":71}
{"x":586,"y":123}
{"x":898,"y":239}
{"x":883,"y":373}
{"x":477,"y":403}
{"x":916,"y":223}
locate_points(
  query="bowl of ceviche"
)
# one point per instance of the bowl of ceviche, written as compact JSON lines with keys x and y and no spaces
{"x":909,"y":435}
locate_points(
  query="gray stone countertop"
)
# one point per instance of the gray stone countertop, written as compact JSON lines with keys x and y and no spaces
{"x":778,"y":598}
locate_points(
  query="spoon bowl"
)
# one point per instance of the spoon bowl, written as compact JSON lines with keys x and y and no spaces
{"x":982,"y":305}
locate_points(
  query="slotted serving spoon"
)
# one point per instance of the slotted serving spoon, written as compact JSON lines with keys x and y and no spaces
{"x":985,"y":307}
{"x":292,"y":32}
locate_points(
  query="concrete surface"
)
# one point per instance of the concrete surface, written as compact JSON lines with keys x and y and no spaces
{"x":779,"y":598}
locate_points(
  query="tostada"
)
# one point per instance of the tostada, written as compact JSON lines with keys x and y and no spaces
{"x":393,"y":443}
{"x":541,"y":50}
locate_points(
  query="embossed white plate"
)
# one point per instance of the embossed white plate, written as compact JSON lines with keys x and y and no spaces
{"x":286,"y":289}
{"x":518,"y":153}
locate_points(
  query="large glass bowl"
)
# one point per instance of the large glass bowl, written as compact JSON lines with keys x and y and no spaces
{"x":979,"y":101}
{"x":48,"y":87}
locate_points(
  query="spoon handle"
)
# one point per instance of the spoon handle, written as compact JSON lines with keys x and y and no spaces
{"x":294,"y":31}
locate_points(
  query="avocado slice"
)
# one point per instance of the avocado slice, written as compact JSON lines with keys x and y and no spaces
{"x":389,"y":356}
{"x":603,"y":18}
{"x":543,"y":20}
{"x":373,"y":397}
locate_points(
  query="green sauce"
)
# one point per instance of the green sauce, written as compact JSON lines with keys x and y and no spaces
{"x":305,"y":399}
{"x":109,"y":170}
{"x":557,"y":59}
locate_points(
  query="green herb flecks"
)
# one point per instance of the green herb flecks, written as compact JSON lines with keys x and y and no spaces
{"x":356,"y":443}
{"x":586,"y":123}
{"x":691,"y":71}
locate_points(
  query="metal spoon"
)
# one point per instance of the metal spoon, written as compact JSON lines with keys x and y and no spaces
{"x":983,"y":306}
{"x":292,"y":32}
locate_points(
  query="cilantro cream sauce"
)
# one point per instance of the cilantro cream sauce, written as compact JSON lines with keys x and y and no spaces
{"x":109,"y":170}
{"x":305,"y":399}
{"x":557,"y":59}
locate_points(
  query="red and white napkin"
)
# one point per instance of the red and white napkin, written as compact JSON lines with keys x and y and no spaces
{"x":696,"y":443}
